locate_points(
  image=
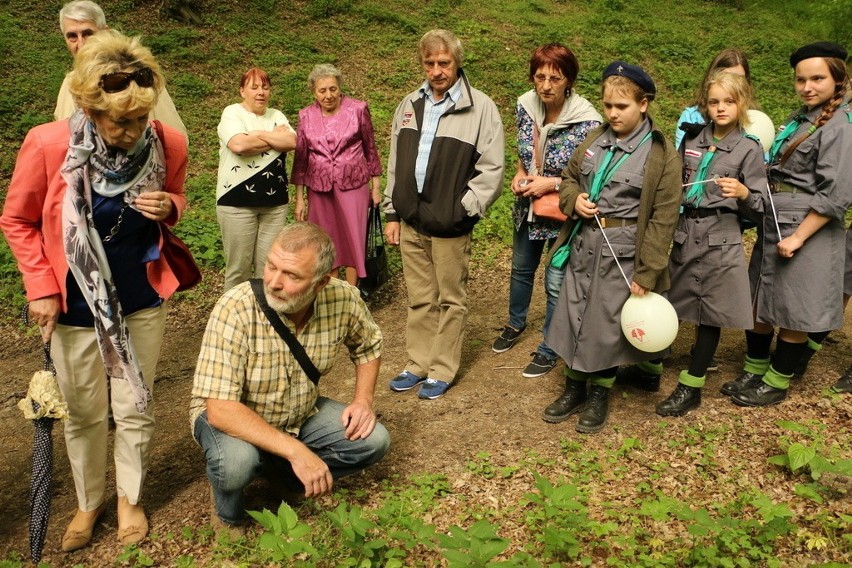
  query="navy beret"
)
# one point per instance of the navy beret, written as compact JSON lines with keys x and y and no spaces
{"x":635,"y":74}
{"x":818,"y":49}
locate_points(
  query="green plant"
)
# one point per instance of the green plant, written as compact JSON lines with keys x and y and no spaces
{"x":283,"y":533}
{"x":359,"y":535}
{"x":13,"y":560}
{"x":809,"y":457}
{"x":133,"y":556}
{"x":559,"y":518}
{"x":474,"y":547}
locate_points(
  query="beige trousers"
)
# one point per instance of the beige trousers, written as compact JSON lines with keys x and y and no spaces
{"x":82,"y":380}
{"x":247,"y":235}
{"x":436,"y":274}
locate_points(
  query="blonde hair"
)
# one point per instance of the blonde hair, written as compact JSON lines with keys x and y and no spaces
{"x":624,"y":86}
{"x":737,"y":87}
{"x":106,"y":52}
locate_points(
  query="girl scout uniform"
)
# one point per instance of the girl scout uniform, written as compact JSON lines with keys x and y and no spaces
{"x":585,"y":330}
{"x":805,"y":292}
{"x":707,"y":265}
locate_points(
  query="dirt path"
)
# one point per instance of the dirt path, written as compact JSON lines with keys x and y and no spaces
{"x":492,"y":408}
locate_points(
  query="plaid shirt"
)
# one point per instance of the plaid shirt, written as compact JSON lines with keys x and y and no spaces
{"x":244,"y":359}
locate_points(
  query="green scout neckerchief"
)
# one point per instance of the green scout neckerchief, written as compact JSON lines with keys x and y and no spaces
{"x":560,"y":257}
{"x":696,"y":191}
{"x":789,"y":129}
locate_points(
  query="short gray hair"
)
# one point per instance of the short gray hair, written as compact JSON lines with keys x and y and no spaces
{"x":300,"y":235}
{"x":82,"y":11}
{"x":321,"y":71}
{"x":439,"y":40}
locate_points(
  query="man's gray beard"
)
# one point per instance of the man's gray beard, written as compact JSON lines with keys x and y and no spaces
{"x":290,"y":305}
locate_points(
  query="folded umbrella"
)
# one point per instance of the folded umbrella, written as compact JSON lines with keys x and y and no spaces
{"x":43,"y":405}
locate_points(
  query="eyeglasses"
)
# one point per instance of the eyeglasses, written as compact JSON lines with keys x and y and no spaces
{"x":552,"y":78}
{"x":120,"y":80}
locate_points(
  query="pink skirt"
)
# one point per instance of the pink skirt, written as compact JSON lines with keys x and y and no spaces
{"x":343,"y":215}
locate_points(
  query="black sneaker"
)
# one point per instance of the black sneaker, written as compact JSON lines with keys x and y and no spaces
{"x":507,"y":339}
{"x":539,"y":366}
{"x":844,"y":384}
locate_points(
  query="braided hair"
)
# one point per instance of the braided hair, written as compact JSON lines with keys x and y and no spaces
{"x":837,"y":69}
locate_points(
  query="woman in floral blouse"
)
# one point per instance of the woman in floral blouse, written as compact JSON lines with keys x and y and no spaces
{"x":552,"y":121}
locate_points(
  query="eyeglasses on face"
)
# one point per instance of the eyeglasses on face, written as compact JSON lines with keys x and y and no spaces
{"x":120,"y":80}
{"x":541,"y":78}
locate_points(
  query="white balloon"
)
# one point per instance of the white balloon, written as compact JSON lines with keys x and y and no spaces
{"x":762,"y":127}
{"x":649,"y":322}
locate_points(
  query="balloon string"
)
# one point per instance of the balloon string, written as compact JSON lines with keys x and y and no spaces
{"x":618,"y":264}
{"x":774,"y":214}
{"x":712,"y":179}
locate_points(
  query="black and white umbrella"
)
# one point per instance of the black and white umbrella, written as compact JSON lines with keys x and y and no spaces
{"x":43,"y":405}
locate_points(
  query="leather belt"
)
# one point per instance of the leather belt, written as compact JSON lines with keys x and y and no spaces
{"x":702,"y":212}
{"x":781,"y":187}
{"x":610,"y":222}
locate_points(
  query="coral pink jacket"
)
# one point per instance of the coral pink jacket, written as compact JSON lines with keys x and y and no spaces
{"x":348,"y":163}
{"x":32,"y":214}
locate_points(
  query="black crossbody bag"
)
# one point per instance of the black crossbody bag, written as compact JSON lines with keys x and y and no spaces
{"x":295,"y":347}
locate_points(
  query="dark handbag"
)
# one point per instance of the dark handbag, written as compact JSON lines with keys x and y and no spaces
{"x":376,"y":260}
{"x":547,"y":207}
{"x":295,"y":347}
{"x":180,"y":260}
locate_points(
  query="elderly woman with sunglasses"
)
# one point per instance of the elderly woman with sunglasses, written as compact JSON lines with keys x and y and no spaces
{"x":83,"y":218}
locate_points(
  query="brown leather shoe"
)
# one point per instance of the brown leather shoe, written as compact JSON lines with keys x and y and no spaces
{"x":79,"y":531}
{"x":132,"y":522}
{"x":234,"y":532}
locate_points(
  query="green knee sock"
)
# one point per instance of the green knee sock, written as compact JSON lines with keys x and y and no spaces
{"x":605,"y":382}
{"x":814,"y":346}
{"x":686,"y":379}
{"x":579,"y":376}
{"x":775,"y":379}
{"x":756,"y":366}
{"x":650,"y":368}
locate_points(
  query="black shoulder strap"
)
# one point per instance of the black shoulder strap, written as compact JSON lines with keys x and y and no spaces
{"x":295,"y":347}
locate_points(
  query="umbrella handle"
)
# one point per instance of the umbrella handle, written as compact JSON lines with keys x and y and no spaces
{"x":48,"y":362}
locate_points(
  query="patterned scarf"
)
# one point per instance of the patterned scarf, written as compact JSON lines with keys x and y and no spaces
{"x":90,"y":166}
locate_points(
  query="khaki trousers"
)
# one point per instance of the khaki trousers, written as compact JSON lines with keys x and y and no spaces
{"x":82,"y":380}
{"x":247,"y":235}
{"x":436,"y":274}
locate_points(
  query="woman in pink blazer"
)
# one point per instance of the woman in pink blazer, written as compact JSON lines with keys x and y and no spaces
{"x":335,"y":159}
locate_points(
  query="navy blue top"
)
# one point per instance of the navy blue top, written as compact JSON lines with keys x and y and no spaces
{"x":128,"y":252}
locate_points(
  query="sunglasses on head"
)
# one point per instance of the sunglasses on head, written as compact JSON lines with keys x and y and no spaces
{"x":120,"y":80}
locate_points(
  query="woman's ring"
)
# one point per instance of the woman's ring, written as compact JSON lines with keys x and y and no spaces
{"x":163,"y":204}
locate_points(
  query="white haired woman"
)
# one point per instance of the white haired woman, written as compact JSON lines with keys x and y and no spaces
{"x":335,"y":160}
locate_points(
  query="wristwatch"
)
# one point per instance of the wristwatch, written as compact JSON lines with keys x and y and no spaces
{"x":556,"y":183}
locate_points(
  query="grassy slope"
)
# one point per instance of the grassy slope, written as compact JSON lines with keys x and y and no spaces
{"x":373,"y":44}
